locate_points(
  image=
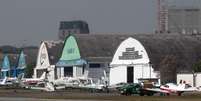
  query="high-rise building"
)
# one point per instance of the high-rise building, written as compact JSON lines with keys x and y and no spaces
{"x":72,"y":27}
{"x":184,"y":20}
{"x":177,"y":18}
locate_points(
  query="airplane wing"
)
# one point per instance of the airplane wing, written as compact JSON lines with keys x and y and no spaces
{"x":158,"y":90}
{"x":188,"y":90}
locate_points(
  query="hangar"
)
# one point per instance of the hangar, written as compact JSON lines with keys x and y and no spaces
{"x":167,"y":53}
{"x":70,"y":63}
{"x":131,"y":63}
{"x":21,"y":65}
{"x":5,"y":67}
{"x":46,"y":59}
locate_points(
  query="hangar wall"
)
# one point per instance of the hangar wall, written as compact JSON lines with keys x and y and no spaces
{"x":189,"y":79}
{"x":130,"y":63}
{"x":70,"y":62}
{"x":43,"y":63}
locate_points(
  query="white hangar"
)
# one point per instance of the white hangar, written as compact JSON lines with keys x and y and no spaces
{"x":131,"y":63}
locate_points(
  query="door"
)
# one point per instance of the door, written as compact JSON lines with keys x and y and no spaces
{"x":68,"y":71}
{"x":130,"y":74}
{"x":40,"y":72}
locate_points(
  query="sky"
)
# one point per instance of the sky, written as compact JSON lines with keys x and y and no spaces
{"x":27,"y":22}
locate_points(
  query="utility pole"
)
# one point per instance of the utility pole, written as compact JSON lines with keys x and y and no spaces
{"x":194,"y":78}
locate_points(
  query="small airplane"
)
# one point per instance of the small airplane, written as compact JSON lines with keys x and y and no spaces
{"x":44,"y":86}
{"x":36,"y":83}
{"x":171,"y":88}
{"x":89,"y":84}
{"x":8,"y":82}
{"x":77,"y":82}
{"x":67,"y":82}
{"x":26,"y":82}
{"x":3,"y":82}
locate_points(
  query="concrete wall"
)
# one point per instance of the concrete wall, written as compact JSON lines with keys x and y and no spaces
{"x":188,"y":78}
{"x":198,"y":80}
{"x":117,"y":75}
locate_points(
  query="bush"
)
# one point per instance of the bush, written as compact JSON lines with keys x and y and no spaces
{"x":29,"y":70}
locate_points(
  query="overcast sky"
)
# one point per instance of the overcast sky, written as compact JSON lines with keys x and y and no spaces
{"x":30,"y":21}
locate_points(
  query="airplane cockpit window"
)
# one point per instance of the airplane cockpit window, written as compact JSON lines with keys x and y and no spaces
{"x":187,"y":86}
{"x":166,"y":86}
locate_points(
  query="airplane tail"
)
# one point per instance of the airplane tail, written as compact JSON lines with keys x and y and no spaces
{"x":4,"y":81}
{"x":43,"y":76}
{"x":182,"y":85}
{"x":20,"y":76}
{"x":49,"y":86}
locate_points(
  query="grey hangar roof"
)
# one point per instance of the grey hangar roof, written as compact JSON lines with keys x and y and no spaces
{"x":102,"y":47}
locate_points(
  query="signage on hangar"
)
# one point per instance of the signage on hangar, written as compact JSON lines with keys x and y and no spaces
{"x":130,"y":54}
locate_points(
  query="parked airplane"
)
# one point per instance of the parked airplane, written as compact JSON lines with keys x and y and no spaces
{"x":77,"y":82}
{"x":3,"y":82}
{"x":45,"y":86}
{"x":170,"y":88}
{"x":26,"y":82}
{"x":8,"y":82}
{"x":66,"y":82}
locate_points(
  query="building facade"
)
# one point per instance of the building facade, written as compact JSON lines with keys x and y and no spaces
{"x":131,"y":63}
{"x":184,"y":20}
{"x":75,"y":27}
{"x":106,"y":55}
{"x":70,"y":63}
{"x":43,"y":63}
{"x":190,"y":78}
{"x":5,"y":67}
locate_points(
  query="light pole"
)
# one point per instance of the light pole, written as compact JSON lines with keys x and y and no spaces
{"x":194,"y":78}
{"x":150,"y":66}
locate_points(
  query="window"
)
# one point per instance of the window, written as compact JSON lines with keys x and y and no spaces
{"x":68,"y":71}
{"x":94,"y":65}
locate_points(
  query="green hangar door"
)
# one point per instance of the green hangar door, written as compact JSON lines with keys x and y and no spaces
{"x":130,"y":74}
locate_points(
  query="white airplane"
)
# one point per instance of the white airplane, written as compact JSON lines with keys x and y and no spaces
{"x":45,"y":86}
{"x":25,"y":82}
{"x":3,"y":81}
{"x":77,"y":82}
{"x":36,"y":83}
{"x":8,"y":82}
{"x":171,"y":88}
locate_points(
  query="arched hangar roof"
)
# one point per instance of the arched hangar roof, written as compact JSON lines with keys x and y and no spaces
{"x":101,"y":47}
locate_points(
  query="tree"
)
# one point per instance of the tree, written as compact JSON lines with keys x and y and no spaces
{"x":29,"y":70}
{"x":197,"y":66}
{"x":168,"y":68}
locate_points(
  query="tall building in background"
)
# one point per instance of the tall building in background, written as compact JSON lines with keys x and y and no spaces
{"x":162,"y":16}
{"x":177,"y":18}
{"x":185,"y":20}
{"x":74,"y":27}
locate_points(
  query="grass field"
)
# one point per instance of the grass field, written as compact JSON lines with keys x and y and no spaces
{"x":95,"y":96}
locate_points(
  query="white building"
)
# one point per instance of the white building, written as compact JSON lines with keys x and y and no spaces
{"x":131,"y":63}
{"x":189,"y":78}
{"x":43,"y":63}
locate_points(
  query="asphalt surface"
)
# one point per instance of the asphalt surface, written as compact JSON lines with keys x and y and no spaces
{"x":79,"y":95}
{"x":36,"y":99}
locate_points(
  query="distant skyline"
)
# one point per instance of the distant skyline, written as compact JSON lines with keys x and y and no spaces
{"x":27,"y":22}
